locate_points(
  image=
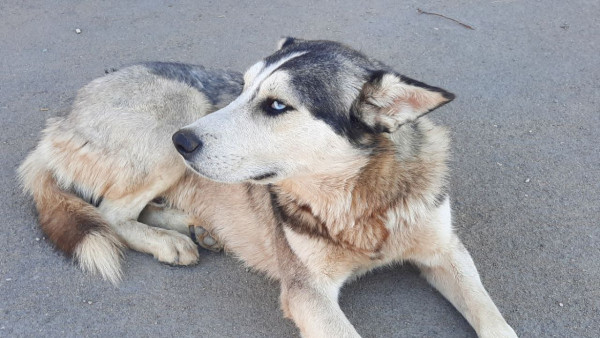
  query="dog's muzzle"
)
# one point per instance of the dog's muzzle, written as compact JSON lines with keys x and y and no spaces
{"x":186,"y":143}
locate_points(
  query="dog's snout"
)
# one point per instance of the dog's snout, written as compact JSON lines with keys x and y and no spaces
{"x":186,"y":142}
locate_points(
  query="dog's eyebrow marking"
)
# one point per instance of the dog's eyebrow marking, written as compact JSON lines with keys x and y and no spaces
{"x":250,"y":93}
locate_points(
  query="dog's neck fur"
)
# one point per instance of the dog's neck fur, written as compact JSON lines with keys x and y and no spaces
{"x":353,"y":208}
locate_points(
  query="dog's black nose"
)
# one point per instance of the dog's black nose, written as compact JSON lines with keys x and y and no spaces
{"x":186,"y":142}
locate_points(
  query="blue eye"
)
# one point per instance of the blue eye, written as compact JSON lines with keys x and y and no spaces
{"x":275,"y":107}
{"x":278,"y":105}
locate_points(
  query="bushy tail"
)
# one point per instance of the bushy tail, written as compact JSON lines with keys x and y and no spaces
{"x":74,"y":226}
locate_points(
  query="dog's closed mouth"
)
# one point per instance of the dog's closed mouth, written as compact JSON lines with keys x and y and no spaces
{"x":264,"y":176}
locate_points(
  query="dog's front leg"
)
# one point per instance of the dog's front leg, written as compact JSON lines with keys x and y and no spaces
{"x":315,"y":309}
{"x":451,"y":270}
{"x":309,"y":297}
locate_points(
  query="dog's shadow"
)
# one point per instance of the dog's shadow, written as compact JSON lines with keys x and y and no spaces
{"x":396,"y":302}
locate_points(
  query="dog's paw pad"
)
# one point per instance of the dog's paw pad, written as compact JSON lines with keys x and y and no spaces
{"x":205,"y":239}
{"x":177,"y":249}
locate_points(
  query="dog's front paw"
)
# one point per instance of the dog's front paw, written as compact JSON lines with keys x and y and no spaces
{"x":205,"y":239}
{"x":176,"y":248}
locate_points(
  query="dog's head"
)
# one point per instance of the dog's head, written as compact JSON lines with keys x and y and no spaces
{"x":311,"y":107}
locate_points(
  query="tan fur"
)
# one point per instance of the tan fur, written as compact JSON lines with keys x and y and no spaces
{"x":96,"y":254}
{"x":384,"y":213}
{"x":89,"y":153}
{"x":74,"y":226}
{"x":337,"y":212}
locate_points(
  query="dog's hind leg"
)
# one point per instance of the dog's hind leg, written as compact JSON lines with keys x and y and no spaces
{"x":448,"y":266}
{"x":162,"y":216}
{"x":168,"y":246}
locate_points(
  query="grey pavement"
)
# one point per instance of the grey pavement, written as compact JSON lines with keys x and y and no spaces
{"x":526,"y":161}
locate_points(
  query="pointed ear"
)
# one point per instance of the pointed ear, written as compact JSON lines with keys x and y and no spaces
{"x":286,"y":41}
{"x":388,"y":100}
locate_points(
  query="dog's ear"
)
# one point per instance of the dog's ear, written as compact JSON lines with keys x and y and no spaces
{"x":388,"y":100}
{"x":287,"y":41}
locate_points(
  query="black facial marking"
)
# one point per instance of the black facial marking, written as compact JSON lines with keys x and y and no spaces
{"x":320,"y":77}
{"x":217,"y":85}
{"x":326,"y":74}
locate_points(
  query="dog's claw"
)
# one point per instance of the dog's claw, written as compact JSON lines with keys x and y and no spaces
{"x":204,"y":239}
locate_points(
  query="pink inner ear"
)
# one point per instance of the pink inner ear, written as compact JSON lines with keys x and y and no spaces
{"x":422,"y":100}
{"x":415,"y":102}
{"x":392,"y":102}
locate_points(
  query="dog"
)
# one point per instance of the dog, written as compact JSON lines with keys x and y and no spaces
{"x":315,"y":167}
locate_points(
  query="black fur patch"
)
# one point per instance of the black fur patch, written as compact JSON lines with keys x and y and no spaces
{"x":95,"y":201}
{"x":286,"y":42}
{"x":323,"y":78}
{"x":215,"y":84}
{"x":320,"y":78}
{"x":296,"y":223}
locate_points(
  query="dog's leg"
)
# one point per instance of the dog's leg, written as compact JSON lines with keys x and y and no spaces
{"x":448,"y":266}
{"x":167,"y":218}
{"x":310,"y":296}
{"x":167,"y":246}
{"x":173,"y":219}
{"x":315,"y":309}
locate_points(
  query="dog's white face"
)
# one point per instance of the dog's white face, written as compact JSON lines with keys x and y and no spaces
{"x":266,"y":134}
{"x":308,"y":109}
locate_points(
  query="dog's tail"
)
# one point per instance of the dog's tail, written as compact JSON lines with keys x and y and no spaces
{"x":73,"y":225}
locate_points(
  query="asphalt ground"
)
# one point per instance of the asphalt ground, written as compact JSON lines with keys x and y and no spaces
{"x":525,"y":166}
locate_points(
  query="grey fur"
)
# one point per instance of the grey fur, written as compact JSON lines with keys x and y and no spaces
{"x":219,"y":86}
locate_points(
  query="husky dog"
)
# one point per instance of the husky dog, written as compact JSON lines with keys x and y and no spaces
{"x":315,"y":168}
